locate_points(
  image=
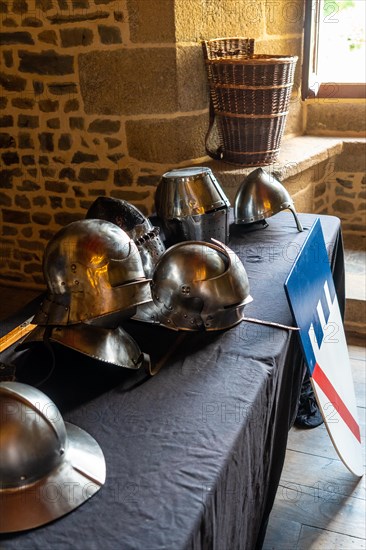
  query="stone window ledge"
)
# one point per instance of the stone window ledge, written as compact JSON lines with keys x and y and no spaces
{"x":297,"y":155}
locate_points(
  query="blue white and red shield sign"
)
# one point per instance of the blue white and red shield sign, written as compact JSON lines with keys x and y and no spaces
{"x":312,"y":297}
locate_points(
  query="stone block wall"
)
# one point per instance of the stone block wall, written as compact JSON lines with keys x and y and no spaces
{"x":347,"y":200}
{"x":101,"y":97}
{"x":347,"y":190}
{"x":309,"y":189}
{"x":345,"y":193}
{"x":341,"y":191}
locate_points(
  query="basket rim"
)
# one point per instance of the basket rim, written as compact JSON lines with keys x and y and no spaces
{"x":222,"y":38}
{"x":252,"y":116}
{"x":223,"y":86}
{"x":255,"y":59}
{"x":263,"y":151}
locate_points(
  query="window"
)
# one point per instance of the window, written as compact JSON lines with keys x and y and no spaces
{"x":334,"y":49}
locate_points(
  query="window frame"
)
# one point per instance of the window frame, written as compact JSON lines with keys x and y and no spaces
{"x":321,"y":90}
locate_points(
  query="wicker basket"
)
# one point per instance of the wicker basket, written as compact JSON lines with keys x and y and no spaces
{"x":250,"y":96}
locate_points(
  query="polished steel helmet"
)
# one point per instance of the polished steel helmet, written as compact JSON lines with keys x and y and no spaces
{"x":261,"y":196}
{"x":192,"y":205}
{"x":92,"y":270}
{"x":135,"y":224}
{"x":48,"y":467}
{"x":197,"y":286}
{"x":109,"y":346}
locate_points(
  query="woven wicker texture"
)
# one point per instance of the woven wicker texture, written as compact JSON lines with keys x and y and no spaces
{"x":250,"y":97}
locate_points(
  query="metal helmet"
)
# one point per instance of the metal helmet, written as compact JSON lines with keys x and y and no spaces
{"x":197,"y":286}
{"x":48,"y":467}
{"x":135,"y":224}
{"x":110,"y":346}
{"x":92,"y":270}
{"x":192,"y":205}
{"x":261,"y":196}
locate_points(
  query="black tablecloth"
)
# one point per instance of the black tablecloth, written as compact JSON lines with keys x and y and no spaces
{"x":194,"y":454}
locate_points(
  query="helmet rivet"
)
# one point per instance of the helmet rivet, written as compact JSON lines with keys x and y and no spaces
{"x":22,"y":478}
{"x":73,"y":267}
{"x":76,"y":282}
{"x":63,"y":283}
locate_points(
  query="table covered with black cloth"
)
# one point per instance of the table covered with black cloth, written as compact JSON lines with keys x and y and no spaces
{"x":193,"y":454}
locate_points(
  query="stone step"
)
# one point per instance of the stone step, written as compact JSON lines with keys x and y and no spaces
{"x":355,"y":271}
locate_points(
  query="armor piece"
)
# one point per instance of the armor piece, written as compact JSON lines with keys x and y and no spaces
{"x":93,"y":270}
{"x":111,"y":346}
{"x":261,"y":196}
{"x":197,"y":286}
{"x":192,"y":206}
{"x":48,"y":467}
{"x":135,"y":224}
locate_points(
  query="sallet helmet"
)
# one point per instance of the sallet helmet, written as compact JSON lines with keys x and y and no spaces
{"x":93,"y":270}
{"x":109,"y":346}
{"x":197,"y":286}
{"x":135,"y":224}
{"x":261,"y":196}
{"x":48,"y":467}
